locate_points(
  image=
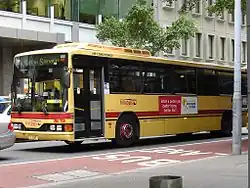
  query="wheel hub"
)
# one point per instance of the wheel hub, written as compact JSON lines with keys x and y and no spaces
{"x":126,"y":131}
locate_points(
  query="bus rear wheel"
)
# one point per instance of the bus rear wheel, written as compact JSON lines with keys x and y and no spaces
{"x":227,"y":124}
{"x":126,"y":131}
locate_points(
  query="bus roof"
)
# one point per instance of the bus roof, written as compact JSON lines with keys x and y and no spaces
{"x":122,"y":53}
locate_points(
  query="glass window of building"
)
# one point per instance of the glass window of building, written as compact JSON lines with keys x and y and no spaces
{"x":38,"y":7}
{"x":108,"y":8}
{"x":125,"y":6}
{"x":88,"y":11}
{"x":11,"y":5}
{"x":62,"y":9}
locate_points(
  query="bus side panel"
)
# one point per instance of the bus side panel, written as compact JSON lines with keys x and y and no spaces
{"x":110,"y":128}
{"x":214,"y":104}
{"x":152,"y":123}
{"x":192,"y":124}
{"x":152,"y":127}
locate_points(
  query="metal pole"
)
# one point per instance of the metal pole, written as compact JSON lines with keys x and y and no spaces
{"x":248,"y":78}
{"x":237,"y":102}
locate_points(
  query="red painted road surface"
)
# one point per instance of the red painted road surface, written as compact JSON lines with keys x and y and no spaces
{"x":22,"y":175}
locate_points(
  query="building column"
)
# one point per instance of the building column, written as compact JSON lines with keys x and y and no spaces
{"x":7,"y":70}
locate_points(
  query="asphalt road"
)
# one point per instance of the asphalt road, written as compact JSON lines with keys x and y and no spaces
{"x":40,"y":163}
{"x":44,"y":150}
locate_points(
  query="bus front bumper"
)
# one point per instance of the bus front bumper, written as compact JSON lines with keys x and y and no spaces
{"x":39,"y":135}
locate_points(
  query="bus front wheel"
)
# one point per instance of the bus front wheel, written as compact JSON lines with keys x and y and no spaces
{"x":126,"y":130}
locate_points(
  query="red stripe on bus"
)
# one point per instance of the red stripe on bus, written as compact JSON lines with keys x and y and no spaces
{"x":42,"y":116}
{"x":108,"y":114}
{"x":116,"y":114}
{"x":156,"y":113}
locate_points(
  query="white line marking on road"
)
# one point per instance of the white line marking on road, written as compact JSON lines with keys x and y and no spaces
{"x":83,"y":156}
{"x":119,"y":173}
{"x":222,"y":154}
{"x":68,"y":175}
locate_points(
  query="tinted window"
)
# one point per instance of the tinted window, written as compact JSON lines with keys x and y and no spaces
{"x":124,"y":76}
{"x":156,"y":78}
{"x":225,"y":82}
{"x":183,"y":80}
{"x":244,"y":84}
{"x":207,"y":82}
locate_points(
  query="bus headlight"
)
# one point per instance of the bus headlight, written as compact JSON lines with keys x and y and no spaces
{"x":17,"y":126}
{"x":59,"y":127}
{"x":52,"y":127}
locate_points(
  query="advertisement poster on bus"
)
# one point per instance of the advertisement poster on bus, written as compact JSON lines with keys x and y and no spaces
{"x":189,"y":105}
{"x":177,"y":105}
{"x":170,"y":105}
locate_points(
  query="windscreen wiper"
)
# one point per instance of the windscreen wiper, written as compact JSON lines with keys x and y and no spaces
{"x":19,"y":107}
{"x":45,"y":108}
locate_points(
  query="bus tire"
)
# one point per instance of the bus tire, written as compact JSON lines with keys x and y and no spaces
{"x":227,"y":123}
{"x":127,"y":130}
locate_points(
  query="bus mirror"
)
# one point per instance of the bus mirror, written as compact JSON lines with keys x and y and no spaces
{"x":67,"y":80}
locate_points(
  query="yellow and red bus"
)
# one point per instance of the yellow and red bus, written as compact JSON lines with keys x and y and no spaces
{"x":80,"y":91}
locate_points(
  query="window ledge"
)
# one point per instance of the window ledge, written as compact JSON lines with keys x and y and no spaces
{"x":209,"y":17}
{"x":221,"y":20}
{"x":210,"y":59}
{"x":184,"y":56}
{"x":221,"y":62}
{"x":197,"y":58}
{"x":166,"y":7}
{"x":168,"y":55}
{"x":87,"y":26}
{"x":195,"y":14}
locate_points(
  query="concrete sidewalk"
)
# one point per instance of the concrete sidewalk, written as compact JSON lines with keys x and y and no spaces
{"x":226,"y":171}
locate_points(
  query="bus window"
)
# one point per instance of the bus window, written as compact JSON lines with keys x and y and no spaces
{"x":225,"y":82}
{"x":244,"y":84}
{"x":124,"y":77}
{"x":183,"y":80}
{"x":207,"y":82}
{"x":153,"y":78}
{"x":78,"y":79}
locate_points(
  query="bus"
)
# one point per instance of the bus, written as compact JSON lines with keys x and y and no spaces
{"x":83,"y":91}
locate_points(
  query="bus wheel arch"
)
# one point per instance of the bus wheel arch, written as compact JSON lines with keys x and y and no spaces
{"x":127,"y":129}
{"x":227,"y":123}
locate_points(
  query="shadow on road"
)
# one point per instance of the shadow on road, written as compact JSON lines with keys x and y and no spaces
{"x":6,"y":159}
{"x":92,"y":147}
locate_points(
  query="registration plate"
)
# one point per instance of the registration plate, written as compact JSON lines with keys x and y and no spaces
{"x":33,"y":137}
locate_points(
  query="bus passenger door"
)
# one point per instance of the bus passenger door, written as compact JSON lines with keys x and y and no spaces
{"x":88,"y":102}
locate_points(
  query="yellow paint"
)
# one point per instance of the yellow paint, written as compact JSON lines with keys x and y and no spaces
{"x":152,"y":127}
{"x":39,"y":135}
{"x":144,"y":103}
{"x":192,"y":124}
{"x":214,"y":103}
{"x":110,"y":129}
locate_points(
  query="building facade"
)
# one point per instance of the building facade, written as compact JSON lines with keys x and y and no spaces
{"x":215,"y":40}
{"x":36,"y":24}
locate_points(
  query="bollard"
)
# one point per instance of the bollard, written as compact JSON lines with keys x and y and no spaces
{"x":165,"y":182}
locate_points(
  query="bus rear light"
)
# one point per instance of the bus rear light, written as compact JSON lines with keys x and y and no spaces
{"x":68,"y":128}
